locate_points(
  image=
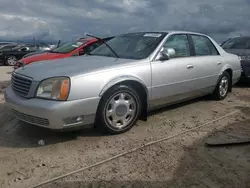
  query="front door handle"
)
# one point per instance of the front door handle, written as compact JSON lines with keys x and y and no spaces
{"x":190,"y":66}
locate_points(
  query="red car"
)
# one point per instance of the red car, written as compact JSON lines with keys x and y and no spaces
{"x":78,"y":48}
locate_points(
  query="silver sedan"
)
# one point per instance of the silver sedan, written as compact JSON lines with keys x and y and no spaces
{"x":119,"y":82}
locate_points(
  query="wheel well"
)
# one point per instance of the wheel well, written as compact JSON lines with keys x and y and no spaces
{"x":230,"y":72}
{"x":139,"y":88}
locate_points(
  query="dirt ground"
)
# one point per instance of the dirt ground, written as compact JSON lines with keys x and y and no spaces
{"x":180,"y":161}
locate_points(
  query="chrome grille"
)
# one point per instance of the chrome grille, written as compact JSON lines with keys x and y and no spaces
{"x":31,"y":119}
{"x":20,"y":84}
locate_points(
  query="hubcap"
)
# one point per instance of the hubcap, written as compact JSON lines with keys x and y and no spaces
{"x":11,"y":60}
{"x":120,"y":110}
{"x":223,"y":86}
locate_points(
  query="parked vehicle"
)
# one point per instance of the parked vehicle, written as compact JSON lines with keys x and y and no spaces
{"x":5,"y":43}
{"x":11,"y":56}
{"x":7,"y":46}
{"x":241,"y":47}
{"x":77,"y":48}
{"x":42,"y":50}
{"x":120,"y":81}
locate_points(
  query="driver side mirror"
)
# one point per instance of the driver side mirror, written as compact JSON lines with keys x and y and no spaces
{"x":166,"y":54}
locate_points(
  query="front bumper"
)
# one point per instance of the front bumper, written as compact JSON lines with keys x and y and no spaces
{"x":52,"y":114}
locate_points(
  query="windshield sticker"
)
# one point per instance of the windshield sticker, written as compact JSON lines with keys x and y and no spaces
{"x":152,"y":35}
{"x":77,"y":44}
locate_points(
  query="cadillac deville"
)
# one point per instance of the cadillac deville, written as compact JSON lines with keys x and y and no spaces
{"x":121,"y":81}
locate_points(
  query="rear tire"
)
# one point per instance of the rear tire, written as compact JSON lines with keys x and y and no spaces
{"x":119,"y":110}
{"x":223,"y":87}
{"x":11,"y":60}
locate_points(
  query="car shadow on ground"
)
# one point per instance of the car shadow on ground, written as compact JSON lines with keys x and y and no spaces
{"x":16,"y":134}
{"x":23,"y":135}
{"x":199,"y":166}
{"x":243,"y":84}
{"x":179,"y":105}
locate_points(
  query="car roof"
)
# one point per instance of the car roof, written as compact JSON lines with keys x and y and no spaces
{"x":6,"y":42}
{"x":243,"y":37}
{"x":168,"y":32}
{"x":183,"y":31}
{"x":10,"y":44}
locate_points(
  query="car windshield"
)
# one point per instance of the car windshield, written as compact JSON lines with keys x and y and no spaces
{"x":237,"y":43}
{"x":68,"y":47}
{"x":131,"y":46}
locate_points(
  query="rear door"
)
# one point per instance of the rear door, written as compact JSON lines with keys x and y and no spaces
{"x":207,"y":63}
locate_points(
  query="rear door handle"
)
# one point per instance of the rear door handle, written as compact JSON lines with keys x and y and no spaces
{"x":190,"y":66}
{"x":218,"y":63}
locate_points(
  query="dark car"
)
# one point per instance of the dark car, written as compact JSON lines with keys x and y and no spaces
{"x":43,"y":49}
{"x":7,"y":46}
{"x":5,"y":43}
{"x":241,"y":47}
{"x":11,"y":56}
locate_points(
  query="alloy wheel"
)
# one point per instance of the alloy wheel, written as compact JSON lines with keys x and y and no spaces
{"x":120,"y":110}
{"x":11,"y":60}
{"x":223,"y":88}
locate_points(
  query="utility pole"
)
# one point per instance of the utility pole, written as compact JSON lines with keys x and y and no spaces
{"x":34,"y":40}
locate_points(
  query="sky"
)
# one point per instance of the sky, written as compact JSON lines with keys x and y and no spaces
{"x":69,"y":19}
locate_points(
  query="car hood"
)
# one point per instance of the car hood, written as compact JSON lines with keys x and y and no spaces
{"x":72,"y":66}
{"x":239,"y":52}
{"x":40,"y":57}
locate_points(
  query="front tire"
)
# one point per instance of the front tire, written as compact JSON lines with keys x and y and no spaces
{"x":119,"y":110}
{"x":222,"y":87}
{"x":11,"y":60}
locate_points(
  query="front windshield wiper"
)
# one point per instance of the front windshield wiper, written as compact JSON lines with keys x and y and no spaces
{"x":51,"y":51}
{"x":105,"y":44}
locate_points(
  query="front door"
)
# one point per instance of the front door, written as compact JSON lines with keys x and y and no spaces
{"x":172,"y":79}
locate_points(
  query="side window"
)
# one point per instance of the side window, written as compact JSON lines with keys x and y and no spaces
{"x":180,"y":44}
{"x":203,"y":46}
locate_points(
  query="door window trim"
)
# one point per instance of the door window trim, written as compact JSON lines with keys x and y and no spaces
{"x":192,"y":42}
{"x":165,"y":40}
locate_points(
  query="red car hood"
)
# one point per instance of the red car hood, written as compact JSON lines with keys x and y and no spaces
{"x":41,"y":57}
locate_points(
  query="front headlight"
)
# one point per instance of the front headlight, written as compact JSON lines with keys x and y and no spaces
{"x":54,"y":88}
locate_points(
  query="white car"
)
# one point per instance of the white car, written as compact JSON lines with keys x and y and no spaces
{"x":119,"y":82}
